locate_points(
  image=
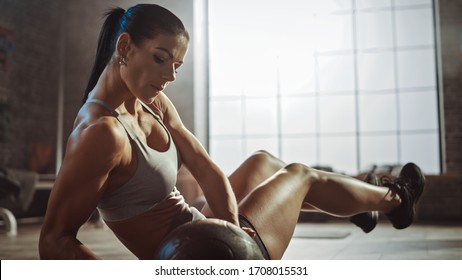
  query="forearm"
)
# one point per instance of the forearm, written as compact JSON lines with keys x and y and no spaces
{"x":219,"y":195}
{"x":64,"y":248}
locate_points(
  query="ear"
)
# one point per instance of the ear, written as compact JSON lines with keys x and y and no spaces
{"x":123,"y":44}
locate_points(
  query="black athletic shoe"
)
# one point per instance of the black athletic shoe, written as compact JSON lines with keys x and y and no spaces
{"x":409,"y":186}
{"x":367,"y":220}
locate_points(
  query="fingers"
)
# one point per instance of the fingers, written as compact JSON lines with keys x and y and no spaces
{"x":250,"y":231}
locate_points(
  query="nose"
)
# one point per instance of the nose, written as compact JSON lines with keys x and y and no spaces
{"x":170,"y":74}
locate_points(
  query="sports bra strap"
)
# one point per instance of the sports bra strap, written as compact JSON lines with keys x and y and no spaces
{"x":104,"y":104}
{"x":108,"y":107}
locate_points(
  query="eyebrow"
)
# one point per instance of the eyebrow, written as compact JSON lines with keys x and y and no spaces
{"x":169,"y":53}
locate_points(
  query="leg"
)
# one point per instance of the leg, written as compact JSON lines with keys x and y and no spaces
{"x":273,"y":206}
{"x":251,"y":173}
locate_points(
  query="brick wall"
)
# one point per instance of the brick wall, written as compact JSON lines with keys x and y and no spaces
{"x":442,"y":199}
{"x":29,"y":86}
{"x":450,"y":13}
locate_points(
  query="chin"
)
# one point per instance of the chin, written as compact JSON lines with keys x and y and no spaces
{"x":149,"y":100}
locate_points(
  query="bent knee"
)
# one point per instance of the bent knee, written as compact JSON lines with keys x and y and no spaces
{"x":307,"y":173}
{"x":263,"y":157}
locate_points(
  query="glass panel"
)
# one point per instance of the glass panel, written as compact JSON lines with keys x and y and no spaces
{"x":260,"y":116}
{"x":328,"y":6}
{"x":307,"y":58}
{"x":364,"y":4}
{"x":334,"y":32}
{"x":376,"y":71}
{"x":302,"y":150}
{"x":377,"y":112}
{"x":414,"y":27}
{"x":416,"y":68}
{"x":298,"y":115}
{"x":403,"y":3}
{"x":418,"y":110}
{"x":339,"y":153}
{"x":337,"y":114}
{"x":227,"y":154}
{"x":374,"y":30}
{"x":336,"y":73}
{"x":226,"y":124}
{"x":378,"y":150}
{"x":269,"y":144}
{"x":225,"y":77}
{"x":422,"y":149}
{"x":296,"y":73}
{"x":259,"y":75}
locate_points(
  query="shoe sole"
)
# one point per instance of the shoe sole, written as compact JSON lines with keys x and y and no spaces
{"x":407,"y":171}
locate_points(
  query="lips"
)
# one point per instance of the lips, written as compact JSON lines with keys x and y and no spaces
{"x":157,"y":88}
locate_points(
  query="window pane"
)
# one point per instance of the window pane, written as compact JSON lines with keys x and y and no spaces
{"x":260,"y":116}
{"x":336,"y":73}
{"x":414,"y":27}
{"x":226,"y":124}
{"x":356,"y":82}
{"x":302,"y":150}
{"x":404,"y":3}
{"x":296,"y":73}
{"x":225,"y":79}
{"x":259,"y":75}
{"x":328,"y":6}
{"x":269,"y":144}
{"x":298,"y":115}
{"x":416,"y":68}
{"x":364,"y":4}
{"x":374,"y":30}
{"x":378,"y":150}
{"x":376,"y":71}
{"x":337,"y":114}
{"x":339,"y":28}
{"x":339,"y":153}
{"x":422,"y":149}
{"x":418,"y":110}
{"x":228,"y":154}
{"x":377,"y":112}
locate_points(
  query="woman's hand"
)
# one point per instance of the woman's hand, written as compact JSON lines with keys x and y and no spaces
{"x":250,"y":231}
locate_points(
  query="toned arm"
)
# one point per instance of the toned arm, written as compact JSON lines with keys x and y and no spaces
{"x":213,"y":181}
{"x":92,"y":152}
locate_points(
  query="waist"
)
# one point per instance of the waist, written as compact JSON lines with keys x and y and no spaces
{"x":143,"y":233}
{"x":135,"y":203}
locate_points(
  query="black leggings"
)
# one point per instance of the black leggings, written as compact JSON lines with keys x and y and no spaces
{"x":243,"y":222}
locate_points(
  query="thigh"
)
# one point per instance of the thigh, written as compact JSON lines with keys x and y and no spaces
{"x":252,"y":172}
{"x":273,"y":207}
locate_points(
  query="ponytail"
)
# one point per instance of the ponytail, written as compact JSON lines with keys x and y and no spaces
{"x":106,"y":46}
{"x":142,"y":21}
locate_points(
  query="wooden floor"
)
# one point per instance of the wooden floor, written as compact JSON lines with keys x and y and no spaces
{"x":312,"y":241}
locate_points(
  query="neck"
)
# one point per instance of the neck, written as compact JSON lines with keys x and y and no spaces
{"x":111,"y":89}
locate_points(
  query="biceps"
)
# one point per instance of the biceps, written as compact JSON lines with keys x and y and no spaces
{"x":72,"y":201}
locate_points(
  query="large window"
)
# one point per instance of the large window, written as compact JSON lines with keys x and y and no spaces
{"x":339,"y":83}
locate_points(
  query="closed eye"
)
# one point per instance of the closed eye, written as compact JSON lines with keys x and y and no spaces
{"x":158,"y":59}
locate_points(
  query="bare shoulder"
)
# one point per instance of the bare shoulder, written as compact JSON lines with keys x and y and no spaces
{"x":168,"y":111}
{"x":97,"y":140}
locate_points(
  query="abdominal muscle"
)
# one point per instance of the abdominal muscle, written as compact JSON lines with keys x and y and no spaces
{"x":143,"y":233}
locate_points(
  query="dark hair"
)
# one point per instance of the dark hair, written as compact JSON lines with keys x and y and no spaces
{"x":142,"y":21}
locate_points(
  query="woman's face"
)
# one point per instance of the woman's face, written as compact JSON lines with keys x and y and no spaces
{"x":152,"y":65}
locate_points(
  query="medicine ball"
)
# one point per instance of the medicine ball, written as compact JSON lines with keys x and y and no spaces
{"x":209,"y":239}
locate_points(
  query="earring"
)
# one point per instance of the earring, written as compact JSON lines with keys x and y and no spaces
{"x":122,"y":61}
